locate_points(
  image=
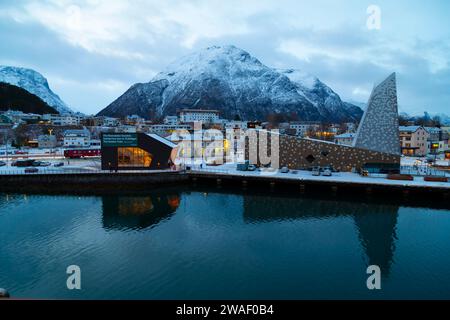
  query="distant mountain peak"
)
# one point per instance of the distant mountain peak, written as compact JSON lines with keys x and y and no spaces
{"x":234,"y":82}
{"x":33,"y":82}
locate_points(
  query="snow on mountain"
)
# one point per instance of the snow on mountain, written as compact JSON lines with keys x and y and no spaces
{"x":34,"y":83}
{"x":232,"y":81}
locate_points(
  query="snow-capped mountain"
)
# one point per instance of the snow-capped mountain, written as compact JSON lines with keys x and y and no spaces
{"x":34,"y":83}
{"x":232,"y":81}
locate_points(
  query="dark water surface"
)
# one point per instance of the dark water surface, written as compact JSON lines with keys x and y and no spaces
{"x":180,"y":244}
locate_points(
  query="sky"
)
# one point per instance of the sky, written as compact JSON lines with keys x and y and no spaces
{"x":92,"y":51}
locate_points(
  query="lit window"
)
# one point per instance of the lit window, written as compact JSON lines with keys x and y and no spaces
{"x":133,"y":157}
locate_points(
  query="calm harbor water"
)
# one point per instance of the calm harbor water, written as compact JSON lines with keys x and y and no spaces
{"x":181,"y":244}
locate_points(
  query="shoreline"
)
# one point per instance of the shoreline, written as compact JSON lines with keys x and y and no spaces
{"x":132,"y":182}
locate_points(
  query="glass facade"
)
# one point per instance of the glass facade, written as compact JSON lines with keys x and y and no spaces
{"x":133,"y":157}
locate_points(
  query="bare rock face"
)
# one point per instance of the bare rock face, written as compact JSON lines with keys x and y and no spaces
{"x":230,"y":80}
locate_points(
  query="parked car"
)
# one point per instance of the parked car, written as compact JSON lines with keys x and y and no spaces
{"x":284,"y":170}
{"x":31,"y":170}
{"x":243,"y":166}
{"x":251,"y":167}
{"x":45,"y":164}
{"x":36,"y":163}
{"x":2,"y":163}
{"x":327,"y":172}
{"x":316,"y":171}
{"x":23,"y":163}
{"x":294,"y":172}
{"x":59,"y":164}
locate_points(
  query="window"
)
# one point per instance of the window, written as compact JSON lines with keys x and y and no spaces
{"x":310,"y":158}
{"x":133,"y":157}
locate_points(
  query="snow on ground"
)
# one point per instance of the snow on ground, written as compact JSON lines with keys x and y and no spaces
{"x":303,"y":175}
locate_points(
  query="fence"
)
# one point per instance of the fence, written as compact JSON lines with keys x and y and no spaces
{"x":423,"y":170}
{"x":75,"y":171}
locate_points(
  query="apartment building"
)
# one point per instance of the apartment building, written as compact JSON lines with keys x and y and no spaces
{"x":414,"y":140}
{"x":198,"y":115}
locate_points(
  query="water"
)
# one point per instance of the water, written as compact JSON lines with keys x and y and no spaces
{"x":181,"y":244}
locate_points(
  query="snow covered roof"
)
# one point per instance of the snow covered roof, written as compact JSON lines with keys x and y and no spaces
{"x":162,"y":140}
{"x":409,"y":128}
{"x":345,"y":135}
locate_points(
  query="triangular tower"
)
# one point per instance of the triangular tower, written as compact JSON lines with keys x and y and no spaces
{"x":378,"y":130}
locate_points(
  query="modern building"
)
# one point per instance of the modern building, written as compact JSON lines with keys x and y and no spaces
{"x":78,"y":138}
{"x":198,"y":115}
{"x":345,"y":139}
{"x":379,"y":128}
{"x":413,"y":141}
{"x":136,"y":151}
{"x":376,"y":146}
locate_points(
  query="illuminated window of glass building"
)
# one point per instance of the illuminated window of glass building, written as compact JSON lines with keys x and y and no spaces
{"x":133,"y":157}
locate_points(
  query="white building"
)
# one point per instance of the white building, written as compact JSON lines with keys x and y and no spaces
{"x":198,"y":115}
{"x":110,"y":122}
{"x":164,"y":129}
{"x":171,"y":120}
{"x":236,"y":125}
{"x":47,"y":141}
{"x":126,"y":129}
{"x":77,"y":138}
{"x":345,"y":139}
{"x":62,"y":119}
{"x":19,"y":116}
{"x":302,"y":128}
{"x":351,"y":127}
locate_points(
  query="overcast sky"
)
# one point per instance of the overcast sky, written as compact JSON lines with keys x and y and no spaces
{"x":91,"y":51}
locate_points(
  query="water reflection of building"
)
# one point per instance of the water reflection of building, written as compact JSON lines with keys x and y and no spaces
{"x":138,"y":212}
{"x":376,"y":223}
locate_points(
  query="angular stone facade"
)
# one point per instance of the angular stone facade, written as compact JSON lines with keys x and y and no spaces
{"x":378,"y":130}
{"x":298,"y":153}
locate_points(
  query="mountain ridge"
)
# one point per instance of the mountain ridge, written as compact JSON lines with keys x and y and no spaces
{"x":232,"y":81}
{"x":35,"y":83}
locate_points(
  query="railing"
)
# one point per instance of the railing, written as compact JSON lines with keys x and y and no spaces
{"x":74,"y":171}
{"x":208,"y":169}
{"x":423,"y":170}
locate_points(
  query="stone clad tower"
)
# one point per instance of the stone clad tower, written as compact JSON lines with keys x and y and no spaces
{"x":378,"y":130}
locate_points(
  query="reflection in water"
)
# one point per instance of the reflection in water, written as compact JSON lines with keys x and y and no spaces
{"x":138,"y":212}
{"x":376,"y":223}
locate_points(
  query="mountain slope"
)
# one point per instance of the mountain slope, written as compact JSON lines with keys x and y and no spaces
{"x":34,"y":83}
{"x":232,"y":81}
{"x":16,"y":98}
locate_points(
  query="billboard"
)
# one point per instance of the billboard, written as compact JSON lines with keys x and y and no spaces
{"x":119,"y":140}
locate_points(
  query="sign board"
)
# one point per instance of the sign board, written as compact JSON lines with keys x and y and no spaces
{"x":119,"y":140}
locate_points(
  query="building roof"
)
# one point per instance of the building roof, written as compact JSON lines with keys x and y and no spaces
{"x":433,"y":129}
{"x":409,"y":128}
{"x":162,"y":140}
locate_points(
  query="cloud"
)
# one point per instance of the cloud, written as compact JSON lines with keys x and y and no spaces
{"x":93,"y":50}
